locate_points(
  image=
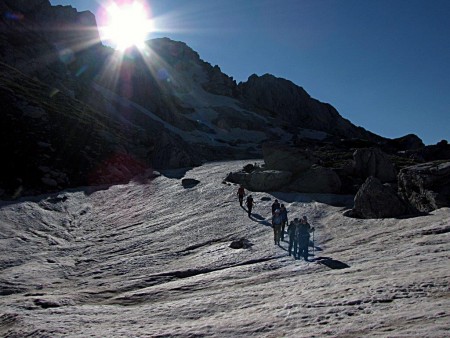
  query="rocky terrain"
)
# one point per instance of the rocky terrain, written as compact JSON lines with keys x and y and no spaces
{"x":76,"y":112}
{"x":154,"y":258}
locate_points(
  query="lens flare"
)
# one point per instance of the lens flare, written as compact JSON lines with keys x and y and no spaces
{"x":127,"y":24}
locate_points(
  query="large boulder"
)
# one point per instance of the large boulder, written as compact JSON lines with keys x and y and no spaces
{"x":377,"y":200}
{"x":317,"y":180}
{"x":269,"y":180}
{"x":426,"y":186}
{"x":373,"y":162}
{"x":261,"y":180}
{"x":280,"y":157}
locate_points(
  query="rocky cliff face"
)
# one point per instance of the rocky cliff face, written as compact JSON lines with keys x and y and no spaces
{"x":292,"y":104}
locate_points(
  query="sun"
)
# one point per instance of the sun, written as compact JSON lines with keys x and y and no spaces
{"x":127,"y":25}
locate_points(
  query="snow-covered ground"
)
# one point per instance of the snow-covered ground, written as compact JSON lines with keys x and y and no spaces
{"x":152,"y":259}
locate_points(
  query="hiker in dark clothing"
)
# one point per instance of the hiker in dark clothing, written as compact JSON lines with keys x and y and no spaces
{"x":293,"y":239}
{"x":275,"y":206}
{"x":249,"y":204}
{"x":303,"y":238}
{"x":241,"y":194}
{"x":284,"y":218}
{"x":276,"y":224}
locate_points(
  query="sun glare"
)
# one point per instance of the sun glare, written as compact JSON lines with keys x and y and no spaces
{"x":127,"y":25}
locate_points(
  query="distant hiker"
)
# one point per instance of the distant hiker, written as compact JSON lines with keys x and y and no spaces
{"x":241,"y":194}
{"x":284,"y":217}
{"x":275,"y":206}
{"x":303,"y":238}
{"x":249,"y":204}
{"x":293,"y":238}
{"x":276,"y":224}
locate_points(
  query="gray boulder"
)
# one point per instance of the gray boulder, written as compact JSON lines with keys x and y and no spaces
{"x":295,"y":160}
{"x":189,"y":182}
{"x":317,"y":180}
{"x":426,"y":186}
{"x":377,"y":200}
{"x":242,"y":243}
{"x":373,"y":162}
{"x":263,"y":180}
{"x":269,"y":180}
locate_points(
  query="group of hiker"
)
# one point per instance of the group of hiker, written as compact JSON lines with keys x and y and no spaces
{"x":298,"y":230}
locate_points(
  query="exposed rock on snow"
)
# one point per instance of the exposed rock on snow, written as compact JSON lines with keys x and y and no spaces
{"x":318,"y":180}
{"x":149,"y":259}
{"x":373,"y":162}
{"x":426,"y":186}
{"x":189,"y":182}
{"x":261,"y":180}
{"x":241,"y":244}
{"x":375,"y":200}
{"x":281,"y":157}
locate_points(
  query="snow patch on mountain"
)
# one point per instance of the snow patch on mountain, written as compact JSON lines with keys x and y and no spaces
{"x":153,"y":258}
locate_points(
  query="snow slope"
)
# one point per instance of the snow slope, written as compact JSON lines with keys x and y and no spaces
{"x":152,"y":259}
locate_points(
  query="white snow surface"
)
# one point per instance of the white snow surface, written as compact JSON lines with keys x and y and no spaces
{"x":152,"y":259}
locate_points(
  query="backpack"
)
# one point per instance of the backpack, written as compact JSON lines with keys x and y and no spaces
{"x":275,"y":206}
{"x":249,"y":201}
{"x":277,"y":220}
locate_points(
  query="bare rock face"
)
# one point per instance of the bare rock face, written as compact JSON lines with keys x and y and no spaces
{"x":295,"y":160}
{"x":373,"y":162}
{"x":426,"y":186}
{"x":27,"y":6}
{"x":375,"y":200}
{"x":317,"y":180}
{"x":264,"y":180}
{"x":292,"y":104}
{"x":407,"y":142}
{"x":438,"y":151}
{"x":219,"y":83}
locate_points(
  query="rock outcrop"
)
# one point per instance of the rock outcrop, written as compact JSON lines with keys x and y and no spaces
{"x":426,"y":186}
{"x":317,"y":180}
{"x":292,"y":104}
{"x":280,"y":157}
{"x":373,"y":162}
{"x":375,"y":200}
{"x":261,"y":180}
{"x":407,"y":142}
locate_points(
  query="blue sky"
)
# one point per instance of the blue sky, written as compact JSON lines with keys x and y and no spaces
{"x":383,"y":64}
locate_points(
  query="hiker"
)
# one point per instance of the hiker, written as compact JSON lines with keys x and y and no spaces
{"x":249,"y":204}
{"x":275,"y":206}
{"x":276,"y":224}
{"x":303,"y":238}
{"x":293,"y":239}
{"x":284,"y":218}
{"x":241,"y":194}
